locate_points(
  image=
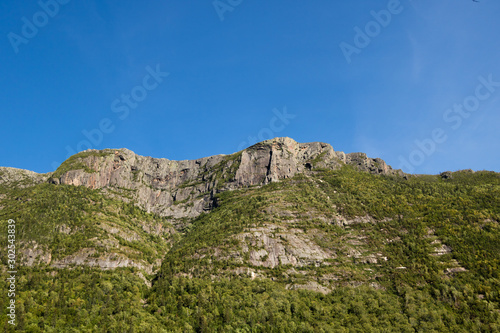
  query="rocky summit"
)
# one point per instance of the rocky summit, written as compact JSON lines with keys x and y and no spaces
{"x":181,"y":189}
{"x":279,"y":237}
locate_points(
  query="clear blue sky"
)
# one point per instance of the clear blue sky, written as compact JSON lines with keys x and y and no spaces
{"x":80,"y":65}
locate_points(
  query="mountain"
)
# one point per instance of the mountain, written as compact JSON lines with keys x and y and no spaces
{"x":279,"y":237}
{"x":186,"y":188}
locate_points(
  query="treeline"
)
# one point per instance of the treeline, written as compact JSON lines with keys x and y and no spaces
{"x":79,"y":300}
{"x":89,"y":300}
{"x":198,"y":291}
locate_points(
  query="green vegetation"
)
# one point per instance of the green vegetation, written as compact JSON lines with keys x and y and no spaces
{"x":225,"y":170}
{"x":65,"y":219}
{"x":383,"y":273}
{"x":75,"y":162}
{"x":426,"y":292}
{"x":80,"y":300}
{"x":194,"y":305}
{"x":135,"y":175}
{"x":318,"y":158}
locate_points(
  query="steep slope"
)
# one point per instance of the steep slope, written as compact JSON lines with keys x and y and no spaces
{"x":62,"y":226}
{"x":113,"y":208}
{"x":280,"y":237}
{"x":346,"y":224}
{"x":180,"y":189}
{"x":426,"y":248}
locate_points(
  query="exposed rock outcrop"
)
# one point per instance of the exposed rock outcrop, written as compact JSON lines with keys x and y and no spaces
{"x":180,"y":189}
{"x":105,"y":261}
{"x":184,"y":189}
{"x":21,"y":178}
{"x":267,"y":248}
{"x":32,"y":254}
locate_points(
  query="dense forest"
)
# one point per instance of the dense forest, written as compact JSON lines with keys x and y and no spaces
{"x":406,"y":254}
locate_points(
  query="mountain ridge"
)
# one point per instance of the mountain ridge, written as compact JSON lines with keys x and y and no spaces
{"x":280,"y":237}
{"x":186,"y":188}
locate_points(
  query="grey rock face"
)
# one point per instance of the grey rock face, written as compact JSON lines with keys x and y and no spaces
{"x":157,"y":185}
{"x":372,"y":165}
{"x":291,"y":247}
{"x":106,"y":261}
{"x":33,"y":254}
{"x":20,"y":177}
{"x":184,"y":189}
{"x":281,"y":158}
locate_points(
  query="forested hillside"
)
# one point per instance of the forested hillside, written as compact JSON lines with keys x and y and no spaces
{"x":328,"y":249}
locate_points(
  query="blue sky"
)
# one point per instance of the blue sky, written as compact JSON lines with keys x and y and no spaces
{"x":240,"y":71}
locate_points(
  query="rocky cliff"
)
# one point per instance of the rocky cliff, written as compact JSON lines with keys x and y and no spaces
{"x":184,"y":189}
{"x":279,"y":214}
{"x":180,"y":189}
